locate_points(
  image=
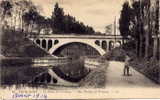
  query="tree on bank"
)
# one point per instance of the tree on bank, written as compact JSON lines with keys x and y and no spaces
{"x":137,"y":29}
{"x":31,"y":18}
{"x":143,"y":30}
{"x":155,"y":28}
{"x":147,"y":27}
{"x":125,"y":19}
{"x":11,"y":13}
{"x":58,"y":18}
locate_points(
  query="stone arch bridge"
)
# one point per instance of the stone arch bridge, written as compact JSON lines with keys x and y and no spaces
{"x":101,"y":43}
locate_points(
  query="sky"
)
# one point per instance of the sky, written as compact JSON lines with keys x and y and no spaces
{"x":95,"y":13}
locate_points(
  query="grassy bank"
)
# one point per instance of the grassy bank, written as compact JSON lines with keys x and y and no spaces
{"x":150,"y":68}
{"x":15,"y":44}
{"x":96,"y":78}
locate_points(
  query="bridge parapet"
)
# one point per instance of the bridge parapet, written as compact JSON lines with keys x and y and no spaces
{"x":77,"y":36}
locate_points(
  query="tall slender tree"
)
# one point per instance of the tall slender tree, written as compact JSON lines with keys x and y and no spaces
{"x":147,"y":26}
{"x":58,"y":17}
{"x":125,"y":19}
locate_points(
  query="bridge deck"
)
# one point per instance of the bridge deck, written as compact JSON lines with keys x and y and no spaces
{"x":78,"y":36}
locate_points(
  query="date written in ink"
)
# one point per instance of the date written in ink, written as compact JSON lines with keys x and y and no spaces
{"x":28,"y":95}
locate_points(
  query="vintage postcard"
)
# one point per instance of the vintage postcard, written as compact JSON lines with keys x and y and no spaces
{"x":79,"y":49}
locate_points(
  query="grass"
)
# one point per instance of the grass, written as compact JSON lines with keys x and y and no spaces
{"x":150,"y":69}
{"x":14,"y":44}
{"x":96,"y":78}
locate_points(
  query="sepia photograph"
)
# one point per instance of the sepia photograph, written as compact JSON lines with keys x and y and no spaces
{"x":76,"y":46}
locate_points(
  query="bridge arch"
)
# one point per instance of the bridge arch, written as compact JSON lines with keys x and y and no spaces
{"x":90,"y":43}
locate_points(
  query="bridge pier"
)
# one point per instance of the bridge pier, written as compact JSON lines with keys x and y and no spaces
{"x":40,"y":42}
{"x":47,"y":45}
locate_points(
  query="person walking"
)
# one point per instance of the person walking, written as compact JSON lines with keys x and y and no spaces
{"x":126,"y":65}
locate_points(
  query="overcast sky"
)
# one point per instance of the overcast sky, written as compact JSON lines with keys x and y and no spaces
{"x":95,"y":13}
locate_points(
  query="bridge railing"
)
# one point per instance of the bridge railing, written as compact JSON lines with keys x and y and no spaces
{"x":76,"y":36}
{"x":35,"y":62}
{"x":93,"y":62}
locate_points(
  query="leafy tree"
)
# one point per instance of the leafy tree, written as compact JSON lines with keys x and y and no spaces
{"x":58,"y":17}
{"x":22,"y":7}
{"x":31,"y":18}
{"x":125,"y":19}
{"x":41,"y":22}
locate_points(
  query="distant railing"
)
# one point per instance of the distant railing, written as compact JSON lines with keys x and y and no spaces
{"x":48,"y":61}
{"x":93,"y":62}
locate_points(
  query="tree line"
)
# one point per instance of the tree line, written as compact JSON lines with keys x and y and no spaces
{"x":139,"y":20}
{"x":67,"y":23}
{"x":25,"y":16}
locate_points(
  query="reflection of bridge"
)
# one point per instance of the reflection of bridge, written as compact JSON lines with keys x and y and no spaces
{"x":100,"y":43}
